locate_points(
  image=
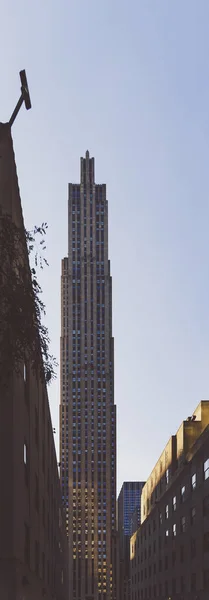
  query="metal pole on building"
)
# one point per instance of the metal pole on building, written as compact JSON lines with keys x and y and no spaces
{"x":25,"y":97}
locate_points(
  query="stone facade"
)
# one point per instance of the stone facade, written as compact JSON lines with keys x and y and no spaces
{"x":170,"y":551}
{"x":87,"y":411}
{"x":33,"y":543}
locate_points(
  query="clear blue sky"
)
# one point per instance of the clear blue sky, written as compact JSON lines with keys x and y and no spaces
{"x":130,"y":82}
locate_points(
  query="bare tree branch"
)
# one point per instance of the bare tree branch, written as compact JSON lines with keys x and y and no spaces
{"x":22,"y":333}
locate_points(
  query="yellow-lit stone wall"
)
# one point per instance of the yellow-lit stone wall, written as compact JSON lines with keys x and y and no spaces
{"x":172,"y":455}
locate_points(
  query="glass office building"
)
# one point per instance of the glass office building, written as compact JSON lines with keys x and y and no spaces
{"x":129,"y":512}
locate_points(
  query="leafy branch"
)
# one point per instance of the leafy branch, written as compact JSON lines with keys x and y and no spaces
{"x":23,"y":336}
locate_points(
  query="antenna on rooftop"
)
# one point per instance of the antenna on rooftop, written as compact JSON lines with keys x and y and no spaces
{"x":25,"y":97}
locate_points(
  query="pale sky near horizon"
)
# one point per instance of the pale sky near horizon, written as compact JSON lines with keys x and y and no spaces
{"x":130,"y":82}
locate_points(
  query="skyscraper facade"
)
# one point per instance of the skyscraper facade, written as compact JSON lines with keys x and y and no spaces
{"x":129,"y":500}
{"x":87,"y":411}
{"x":129,"y":513}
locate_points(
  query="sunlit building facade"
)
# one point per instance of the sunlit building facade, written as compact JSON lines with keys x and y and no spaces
{"x":87,"y":411}
{"x":170,"y":551}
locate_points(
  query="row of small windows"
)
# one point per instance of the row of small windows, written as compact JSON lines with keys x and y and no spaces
{"x":173,"y":559}
{"x":181,"y":527}
{"x":169,"y":588}
{"x":183,"y":489}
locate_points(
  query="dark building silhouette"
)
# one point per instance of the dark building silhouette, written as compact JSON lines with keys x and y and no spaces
{"x":129,"y":512}
{"x":87,"y":411}
{"x":33,"y":543}
{"x":170,"y":550}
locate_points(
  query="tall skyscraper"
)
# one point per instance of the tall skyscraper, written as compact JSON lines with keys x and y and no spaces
{"x":87,"y":411}
{"x":129,"y":512}
{"x":129,"y":500}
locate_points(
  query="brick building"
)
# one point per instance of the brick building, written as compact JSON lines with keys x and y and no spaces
{"x":170,"y":551}
{"x":33,"y":544}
